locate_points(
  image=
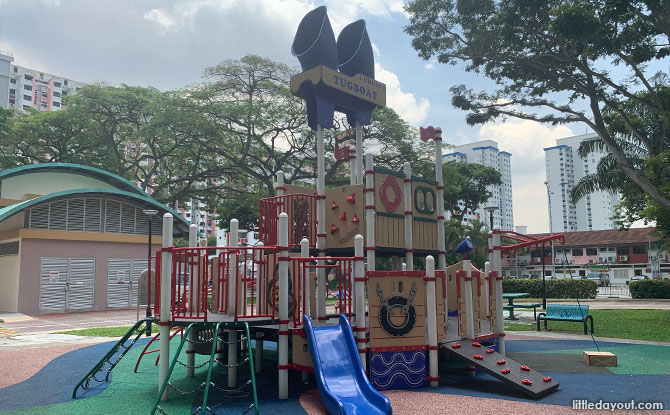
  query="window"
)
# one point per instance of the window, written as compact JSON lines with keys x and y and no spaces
{"x":26,"y":107}
{"x":592,"y":251}
{"x":27,"y":97}
{"x":639,"y":250}
{"x":28,"y":77}
{"x":28,"y":87}
{"x":622,"y":250}
{"x":65,"y":82}
{"x":56,"y":104}
{"x":56,"y":94}
{"x":13,"y":80}
{"x":577,"y":252}
{"x":57,"y":84}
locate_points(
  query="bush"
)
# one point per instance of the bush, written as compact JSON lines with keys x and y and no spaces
{"x":562,"y":288}
{"x":649,"y":289}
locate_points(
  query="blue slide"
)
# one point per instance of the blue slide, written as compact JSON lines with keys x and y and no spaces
{"x":343,"y":384}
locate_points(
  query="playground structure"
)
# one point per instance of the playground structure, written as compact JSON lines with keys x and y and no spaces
{"x":390,"y":323}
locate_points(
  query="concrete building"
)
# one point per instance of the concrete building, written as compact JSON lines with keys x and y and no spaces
{"x":564,"y":169}
{"x":205,"y":220}
{"x":619,"y":254}
{"x":487,"y":153}
{"x":29,"y":88}
{"x":5,"y":69}
{"x":73,"y":238}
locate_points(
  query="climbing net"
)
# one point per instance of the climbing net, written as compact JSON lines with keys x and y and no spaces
{"x":205,"y":342}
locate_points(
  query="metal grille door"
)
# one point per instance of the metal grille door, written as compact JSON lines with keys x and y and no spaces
{"x":66,"y":284}
{"x":122,"y":281}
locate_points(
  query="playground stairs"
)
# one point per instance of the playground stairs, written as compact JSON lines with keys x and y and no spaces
{"x":111,"y":359}
{"x":214,"y":337}
{"x":508,"y":371}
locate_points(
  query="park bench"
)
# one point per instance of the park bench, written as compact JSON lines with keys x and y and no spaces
{"x":511,"y":308}
{"x":566,"y":312}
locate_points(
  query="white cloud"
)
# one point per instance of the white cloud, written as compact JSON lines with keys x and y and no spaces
{"x":343,"y":12}
{"x":375,"y":50}
{"x":404,"y":103}
{"x":429,"y":65}
{"x":526,"y":140}
{"x":161,"y":17}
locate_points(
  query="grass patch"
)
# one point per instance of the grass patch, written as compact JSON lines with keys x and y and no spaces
{"x":117,"y":331}
{"x":653,"y":325}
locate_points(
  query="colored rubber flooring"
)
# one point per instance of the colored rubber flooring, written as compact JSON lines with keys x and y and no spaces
{"x":643,"y":375}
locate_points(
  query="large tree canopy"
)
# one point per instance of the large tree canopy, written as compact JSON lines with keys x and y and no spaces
{"x":466,"y":186}
{"x":558,"y":61}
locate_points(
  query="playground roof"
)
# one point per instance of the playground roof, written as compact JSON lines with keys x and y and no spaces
{"x":93,"y":172}
{"x":180,"y":224}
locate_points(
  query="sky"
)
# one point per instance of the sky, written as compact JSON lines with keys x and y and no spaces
{"x":167,"y":44}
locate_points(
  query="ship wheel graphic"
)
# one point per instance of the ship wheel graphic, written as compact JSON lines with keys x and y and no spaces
{"x":406,"y":306}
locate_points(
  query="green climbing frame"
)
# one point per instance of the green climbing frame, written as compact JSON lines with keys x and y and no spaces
{"x":121,"y":344}
{"x":212,"y":358}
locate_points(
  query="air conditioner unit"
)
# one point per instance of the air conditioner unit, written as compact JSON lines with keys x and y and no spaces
{"x":592,"y":261}
{"x":610,"y":259}
{"x":652,"y":258}
{"x":623,"y":257}
{"x":537,"y":260}
{"x":601,"y":260}
{"x":524,"y":262}
{"x":557,"y":261}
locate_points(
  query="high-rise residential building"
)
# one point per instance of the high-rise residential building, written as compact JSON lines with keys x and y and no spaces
{"x":206,"y":221}
{"x":29,"y":88}
{"x":487,"y":153}
{"x":564,"y":169}
{"x":5,"y":69}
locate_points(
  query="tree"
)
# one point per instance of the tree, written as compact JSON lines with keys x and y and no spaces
{"x":243,"y":207}
{"x":466,"y":186}
{"x":557,"y":58}
{"x":635,"y":204}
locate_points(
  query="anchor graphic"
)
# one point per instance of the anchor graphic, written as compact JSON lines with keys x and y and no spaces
{"x":406,"y":306}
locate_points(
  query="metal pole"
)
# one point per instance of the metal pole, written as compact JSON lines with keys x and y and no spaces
{"x":359,"y":274}
{"x":408,"y":219}
{"x":544,"y":286}
{"x":431,"y":321}
{"x":359,"y":153}
{"x":320,"y":226}
{"x":193,"y":298}
{"x":282,"y":346}
{"x":166,"y":271}
{"x":233,"y":286}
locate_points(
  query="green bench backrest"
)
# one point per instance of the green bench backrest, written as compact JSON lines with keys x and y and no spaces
{"x":567,"y":311}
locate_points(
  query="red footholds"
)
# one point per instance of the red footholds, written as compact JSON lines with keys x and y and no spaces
{"x":505,"y":371}
{"x":355,"y":219}
{"x":479,"y":357}
{"x":456,"y":346}
{"x":525,"y":368}
{"x":489,"y":351}
{"x":343,"y":216}
{"x":476,"y":344}
{"x":547,"y":378}
{"x":351,"y":198}
{"x":334,"y":206}
{"x":501,"y":362}
{"x":527,"y":382}
{"x":334,"y":228}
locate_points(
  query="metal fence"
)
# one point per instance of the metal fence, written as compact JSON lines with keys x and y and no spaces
{"x":614,"y":291}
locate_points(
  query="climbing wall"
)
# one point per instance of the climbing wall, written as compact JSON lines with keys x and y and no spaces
{"x":345,"y":215}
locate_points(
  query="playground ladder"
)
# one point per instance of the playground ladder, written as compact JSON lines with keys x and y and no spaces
{"x":108,"y":356}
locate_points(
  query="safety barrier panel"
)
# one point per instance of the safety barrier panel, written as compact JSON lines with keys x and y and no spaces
{"x":301,"y":211}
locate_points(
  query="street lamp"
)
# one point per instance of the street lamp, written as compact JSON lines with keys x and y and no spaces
{"x":553,"y":261}
{"x":491,"y":209}
{"x":150,"y":213}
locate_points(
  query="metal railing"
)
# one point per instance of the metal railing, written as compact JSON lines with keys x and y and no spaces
{"x":301,"y":210}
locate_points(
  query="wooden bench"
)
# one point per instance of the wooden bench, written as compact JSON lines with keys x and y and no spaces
{"x":566,"y":312}
{"x":534,"y":306}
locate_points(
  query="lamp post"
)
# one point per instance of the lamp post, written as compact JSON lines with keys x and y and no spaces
{"x":150,"y":213}
{"x":491,"y":209}
{"x":553,"y":261}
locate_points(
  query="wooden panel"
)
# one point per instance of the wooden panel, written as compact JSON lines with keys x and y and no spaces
{"x":293,"y":189}
{"x":300,"y":351}
{"x":425,"y":235}
{"x":389,"y":184}
{"x":397,"y":290}
{"x":424,"y":196}
{"x":390,"y":232}
{"x":441,"y":315}
{"x":344,"y":237}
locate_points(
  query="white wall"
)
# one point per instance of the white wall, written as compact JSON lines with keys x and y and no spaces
{"x":9,"y":282}
{"x":43,"y":183}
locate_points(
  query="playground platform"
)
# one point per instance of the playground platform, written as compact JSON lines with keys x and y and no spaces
{"x":643,"y":374}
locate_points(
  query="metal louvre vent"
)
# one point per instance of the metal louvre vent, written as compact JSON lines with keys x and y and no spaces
{"x":112,"y":216}
{"x":127,"y":218}
{"x":122,"y":278}
{"x":75,"y":215}
{"x":10,"y":248}
{"x":39,"y":217}
{"x":81,"y":277}
{"x":58,"y":215}
{"x":141,"y":222}
{"x":93,"y":215}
